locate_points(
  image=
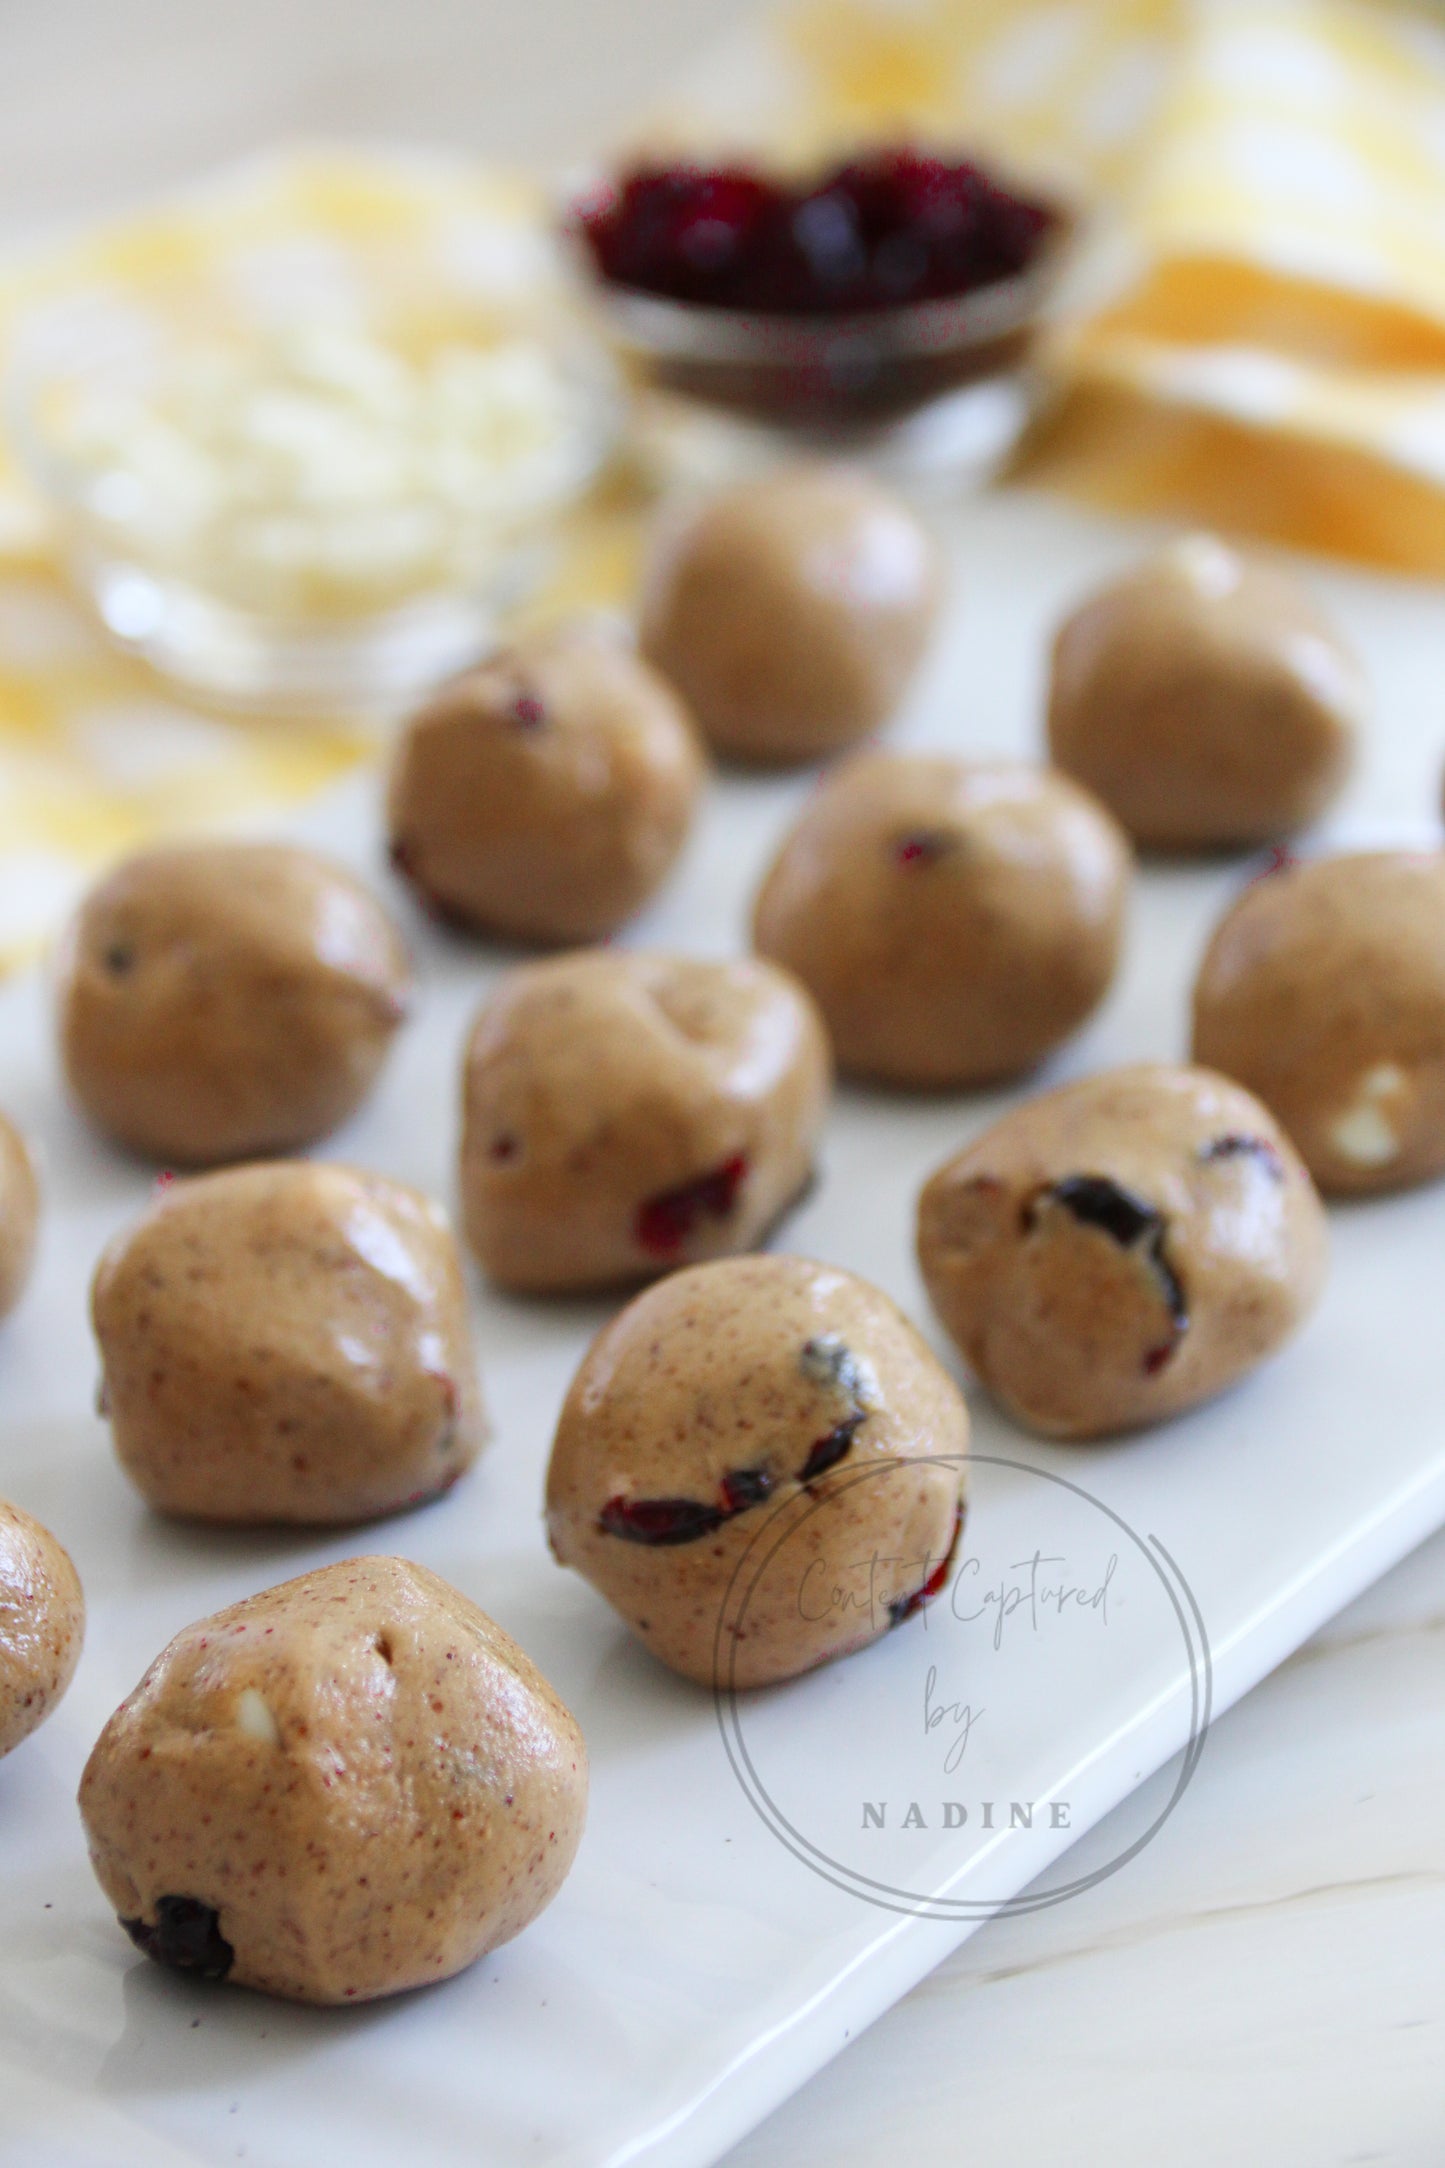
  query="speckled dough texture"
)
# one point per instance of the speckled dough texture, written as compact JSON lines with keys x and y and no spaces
{"x":350,"y":1784}
{"x":545,"y":794}
{"x":1205,"y":699}
{"x":625,"y":1113}
{"x":1323,"y":989}
{"x":1118,"y":1249}
{"x":224,"y":1001}
{"x":791,"y":610}
{"x":42,"y":1624}
{"x":19,"y":1215}
{"x":760,"y":1466}
{"x":953,"y":921}
{"x":288,"y":1342}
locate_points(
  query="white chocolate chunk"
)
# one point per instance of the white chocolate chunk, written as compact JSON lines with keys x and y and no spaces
{"x":253,"y":1716}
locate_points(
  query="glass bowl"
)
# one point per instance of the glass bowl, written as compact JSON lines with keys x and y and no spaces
{"x":243,"y":531}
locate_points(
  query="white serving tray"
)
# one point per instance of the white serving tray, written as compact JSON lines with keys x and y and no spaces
{"x":712,"y":1948}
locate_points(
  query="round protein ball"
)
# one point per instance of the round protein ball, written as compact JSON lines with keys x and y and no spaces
{"x":625,"y":1113}
{"x":1323,"y":989}
{"x":345,"y":1786}
{"x":791,"y":611}
{"x":546,"y":794}
{"x":19,"y":1215}
{"x":288,"y":1342}
{"x":760,"y":1465}
{"x":42,"y":1624}
{"x":225,"y":1001}
{"x":954,"y":922}
{"x":1205,"y":700}
{"x":1118,"y":1249}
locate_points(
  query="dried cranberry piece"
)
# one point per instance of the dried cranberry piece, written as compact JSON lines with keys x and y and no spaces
{"x":187,"y":1935}
{"x":1237,"y":1146}
{"x":745,"y":1487}
{"x":664,"y":1222}
{"x":903,"y":1607}
{"x":1096,"y":1200}
{"x":828,"y":1451}
{"x":528,"y":711}
{"x":659,"y":1520}
{"x":924,"y":846}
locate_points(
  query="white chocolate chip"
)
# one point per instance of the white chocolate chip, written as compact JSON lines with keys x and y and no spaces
{"x":1362,"y":1134}
{"x":253,"y":1716}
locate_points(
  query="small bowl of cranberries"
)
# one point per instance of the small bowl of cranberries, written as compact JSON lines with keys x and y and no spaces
{"x":838,"y":305}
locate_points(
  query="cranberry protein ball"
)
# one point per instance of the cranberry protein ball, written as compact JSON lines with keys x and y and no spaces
{"x":19,"y":1215}
{"x":1323,"y":989}
{"x":42,"y":1624}
{"x":1205,"y":700}
{"x":345,"y":1786}
{"x":791,"y":611}
{"x":288,"y":1342}
{"x":1116,"y":1250}
{"x":225,"y":1001}
{"x":546,"y":794}
{"x":625,"y":1113}
{"x":744,"y":1442}
{"x":954,"y":922}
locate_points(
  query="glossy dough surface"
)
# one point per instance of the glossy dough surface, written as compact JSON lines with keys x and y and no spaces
{"x":791,"y":611}
{"x":1111,"y":1252}
{"x":625,"y":1113}
{"x":1205,"y":700}
{"x":227,"y":1000}
{"x":1323,"y":989}
{"x":546,"y":794}
{"x":953,"y":921}
{"x":288,"y":1342}
{"x":19,"y":1215}
{"x":42,"y":1624}
{"x":350,"y":1784}
{"x":759,"y":1465}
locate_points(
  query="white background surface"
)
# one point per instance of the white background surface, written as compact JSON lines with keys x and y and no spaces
{"x":1265,"y":1984}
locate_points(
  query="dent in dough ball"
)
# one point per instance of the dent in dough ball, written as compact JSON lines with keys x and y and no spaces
{"x":791,"y":611}
{"x":1205,"y":700}
{"x":288,"y":1342}
{"x":625,"y":1113}
{"x":1323,"y":989}
{"x":42,"y":1624}
{"x":348,"y":1785}
{"x":225,"y":1001}
{"x":19,"y":1215}
{"x":760,"y":1466}
{"x":954,"y":922}
{"x":546,"y":794}
{"x":1114,"y":1251}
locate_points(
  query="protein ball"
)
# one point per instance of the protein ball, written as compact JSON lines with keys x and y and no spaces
{"x":954,"y":922}
{"x":625,"y":1113}
{"x":546,"y":794}
{"x":226,"y":1001}
{"x":1205,"y":700}
{"x":19,"y":1215}
{"x":345,"y":1786}
{"x":288,"y":1342}
{"x":42,"y":1624}
{"x":1118,"y":1249}
{"x":760,"y":1465}
{"x":1323,"y":989}
{"x":791,"y":611}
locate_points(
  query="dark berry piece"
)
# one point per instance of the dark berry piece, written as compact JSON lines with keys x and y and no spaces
{"x":924,"y":847}
{"x":827,"y":1360}
{"x":1097,"y":1201}
{"x":503,"y":1147}
{"x":186,"y":1935}
{"x":1243,"y":1147}
{"x":664,"y":1222}
{"x":659,"y":1520}
{"x":903,"y":1607}
{"x":745,"y":1487}
{"x":119,"y":958}
{"x":830,"y":1450}
{"x":528,"y":710}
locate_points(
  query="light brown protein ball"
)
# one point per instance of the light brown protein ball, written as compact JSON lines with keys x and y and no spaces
{"x":19,"y":1215}
{"x":345,"y":1786}
{"x":954,"y":922}
{"x":1116,"y":1250}
{"x":227,"y":1000}
{"x":546,"y":794}
{"x":791,"y":611}
{"x":760,"y":1466}
{"x":288,"y":1342}
{"x":1323,"y":989}
{"x":625,"y":1113}
{"x":1205,"y":700}
{"x":42,"y":1624}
